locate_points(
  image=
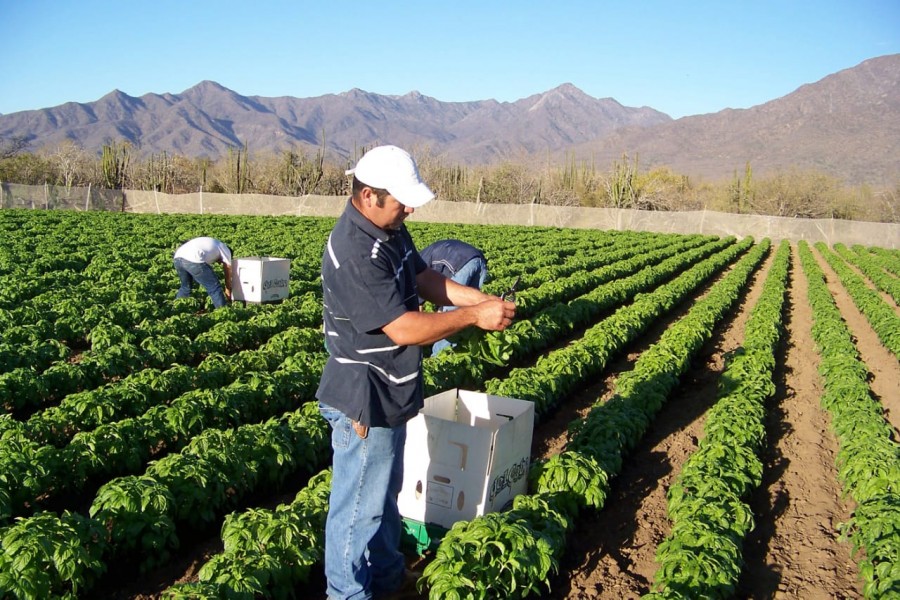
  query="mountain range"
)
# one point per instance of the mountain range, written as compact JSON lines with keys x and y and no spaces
{"x":846,"y":125}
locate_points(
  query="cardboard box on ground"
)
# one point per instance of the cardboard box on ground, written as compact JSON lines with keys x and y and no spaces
{"x":467,"y":454}
{"x":260,"y":279}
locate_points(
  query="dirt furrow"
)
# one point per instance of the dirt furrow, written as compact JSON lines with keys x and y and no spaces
{"x":794,"y":551}
{"x":612,"y":555}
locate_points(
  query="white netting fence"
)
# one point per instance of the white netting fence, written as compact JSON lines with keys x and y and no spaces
{"x":13,"y":195}
{"x":830,"y":231}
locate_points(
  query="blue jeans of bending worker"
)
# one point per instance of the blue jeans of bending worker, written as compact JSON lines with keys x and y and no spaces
{"x":202,"y":273}
{"x":472,"y":274}
{"x":362,"y":531}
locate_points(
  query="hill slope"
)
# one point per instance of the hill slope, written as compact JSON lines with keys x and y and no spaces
{"x":847,"y":125}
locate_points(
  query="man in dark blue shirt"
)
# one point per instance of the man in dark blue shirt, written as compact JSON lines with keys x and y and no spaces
{"x":371,"y":386}
{"x":463,"y":263}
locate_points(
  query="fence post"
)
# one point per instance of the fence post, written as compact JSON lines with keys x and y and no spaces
{"x":201,"y":199}
{"x":87,"y":199}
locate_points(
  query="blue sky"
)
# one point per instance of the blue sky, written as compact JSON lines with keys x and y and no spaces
{"x":682,"y":58}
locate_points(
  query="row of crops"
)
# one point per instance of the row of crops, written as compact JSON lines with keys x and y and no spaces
{"x":133,"y":425}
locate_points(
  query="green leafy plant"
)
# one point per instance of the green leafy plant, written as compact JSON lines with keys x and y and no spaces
{"x":51,"y":556}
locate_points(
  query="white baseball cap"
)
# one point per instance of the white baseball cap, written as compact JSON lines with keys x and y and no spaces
{"x":393,"y":169}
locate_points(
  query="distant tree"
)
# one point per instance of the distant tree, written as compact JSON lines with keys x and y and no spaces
{"x":885,"y":206}
{"x":801,"y":194}
{"x":10,"y":147}
{"x":26,"y":168}
{"x":509,"y":183}
{"x":71,"y":163}
{"x":663,"y":189}
{"x":18,"y":166}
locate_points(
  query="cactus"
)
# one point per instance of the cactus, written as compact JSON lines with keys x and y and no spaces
{"x":621,"y":188}
{"x":158,"y":172}
{"x":114,"y":163}
{"x":740,"y":192}
{"x":238,"y":174}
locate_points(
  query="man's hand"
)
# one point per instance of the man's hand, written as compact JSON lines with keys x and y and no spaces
{"x":494,"y":314}
{"x":415,"y":327}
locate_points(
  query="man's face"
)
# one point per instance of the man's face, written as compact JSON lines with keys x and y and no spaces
{"x":389,"y":215}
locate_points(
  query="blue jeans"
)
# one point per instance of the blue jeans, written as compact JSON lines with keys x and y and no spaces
{"x":362,"y":531}
{"x":472,"y":274}
{"x":202,"y":273}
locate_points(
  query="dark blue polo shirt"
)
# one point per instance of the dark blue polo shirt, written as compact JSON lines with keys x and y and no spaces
{"x":369,"y":280}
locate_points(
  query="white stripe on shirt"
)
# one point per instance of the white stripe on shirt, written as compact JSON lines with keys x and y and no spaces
{"x":337,"y":265}
{"x":390,"y":377}
{"x":372,"y":350}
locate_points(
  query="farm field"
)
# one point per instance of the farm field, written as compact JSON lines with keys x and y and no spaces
{"x":132,"y":425}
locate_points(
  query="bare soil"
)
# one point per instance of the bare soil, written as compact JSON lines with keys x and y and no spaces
{"x":794,"y":551}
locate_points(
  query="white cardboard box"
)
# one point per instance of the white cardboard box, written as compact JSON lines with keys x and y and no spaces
{"x":467,"y":454}
{"x":260,"y":278}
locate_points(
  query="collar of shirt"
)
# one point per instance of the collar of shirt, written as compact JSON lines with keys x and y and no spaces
{"x":368,"y":226}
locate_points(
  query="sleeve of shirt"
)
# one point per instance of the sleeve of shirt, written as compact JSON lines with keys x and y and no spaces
{"x":418,"y":261}
{"x":420,"y":264}
{"x":224,"y":252}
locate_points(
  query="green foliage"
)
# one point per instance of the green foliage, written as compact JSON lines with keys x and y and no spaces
{"x":572,"y":473}
{"x":578,"y":478}
{"x":868,"y":458}
{"x":137,"y":512}
{"x":495,"y":556}
{"x":50,"y":556}
{"x":880,"y":314}
{"x":216,"y":432}
{"x":30,"y":169}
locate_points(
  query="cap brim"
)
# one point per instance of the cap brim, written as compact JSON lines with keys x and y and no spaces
{"x":413,"y":196}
